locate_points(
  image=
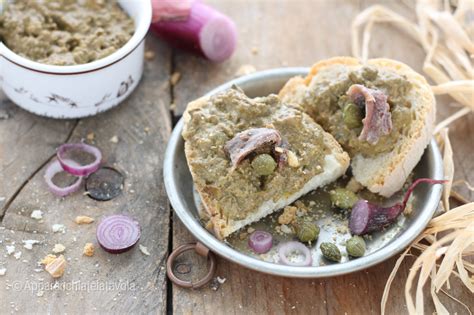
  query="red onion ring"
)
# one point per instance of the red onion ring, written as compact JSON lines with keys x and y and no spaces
{"x":260,"y":242}
{"x":118,"y":233}
{"x":55,"y":168}
{"x":288,"y":248}
{"x":218,"y":38}
{"x":76,"y":169}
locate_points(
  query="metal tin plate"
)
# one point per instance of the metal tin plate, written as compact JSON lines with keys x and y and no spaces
{"x":179,"y":186}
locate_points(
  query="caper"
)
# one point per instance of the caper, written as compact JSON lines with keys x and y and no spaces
{"x":307,"y":231}
{"x":355,"y":246}
{"x":343,"y":198}
{"x":263,"y":164}
{"x":330,"y":251}
{"x":352,"y":116}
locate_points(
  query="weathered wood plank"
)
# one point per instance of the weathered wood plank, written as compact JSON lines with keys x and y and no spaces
{"x":26,"y":142}
{"x":298,"y":33}
{"x":138,"y":282}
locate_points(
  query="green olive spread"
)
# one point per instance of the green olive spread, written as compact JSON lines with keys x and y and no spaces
{"x":331,"y":107}
{"x":238,"y":190}
{"x":65,"y":32}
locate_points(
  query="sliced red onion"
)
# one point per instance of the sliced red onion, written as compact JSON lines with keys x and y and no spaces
{"x":367,"y":217}
{"x":261,"y":242}
{"x":55,"y":168}
{"x":118,"y":233}
{"x":75,"y":168}
{"x":289,"y":248}
{"x":206,"y":32}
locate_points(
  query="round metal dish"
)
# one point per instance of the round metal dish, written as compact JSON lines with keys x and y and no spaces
{"x":179,"y":186}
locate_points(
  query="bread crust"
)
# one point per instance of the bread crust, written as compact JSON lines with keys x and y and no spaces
{"x":336,"y":164}
{"x":387,"y":172}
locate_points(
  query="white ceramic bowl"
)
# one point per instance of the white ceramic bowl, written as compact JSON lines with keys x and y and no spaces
{"x":79,"y":90}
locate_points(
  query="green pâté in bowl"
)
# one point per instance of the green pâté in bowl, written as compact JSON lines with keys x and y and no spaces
{"x":65,"y":32}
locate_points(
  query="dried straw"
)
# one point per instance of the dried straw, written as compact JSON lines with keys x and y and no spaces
{"x":445,"y":34}
{"x":448,"y":166}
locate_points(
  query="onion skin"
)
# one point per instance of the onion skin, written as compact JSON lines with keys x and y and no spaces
{"x":206,"y":32}
{"x":289,"y":247}
{"x":56,"y":168}
{"x":367,"y":217}
{"x":171,"y":10}
{"x":76,"y":169}
{"x":118,"y":233}
{"x":260,"y":242}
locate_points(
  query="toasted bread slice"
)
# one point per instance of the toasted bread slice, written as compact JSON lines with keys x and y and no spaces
{"x":381,"y":172}
{"x":235,"y":196}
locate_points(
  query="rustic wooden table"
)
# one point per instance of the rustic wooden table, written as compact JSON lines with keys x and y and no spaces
{"x":273,"y":33}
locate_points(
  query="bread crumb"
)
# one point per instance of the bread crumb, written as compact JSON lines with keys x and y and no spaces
{"x":28,"y":244}
{"x":40,"y":293}
{"x":302,"y":208}
{"x":3,"y":271}
{"x":221,"y":280}
{"x":243,"y":235}
{"x":354,"y":185}
{"x":144,"y":250}
{"x":278,"y":229}
{"x":288,"y":215}
{"x":250,"y":230}
{"x":56,"y":267}
{"x":342,"y":228}
{"x":245,"y":70}
{"x":293,"y":159}
{"x":59,"y":248}
{"x":59,"y":228}
{"x":83,"y":219}
{"x":209,"y":225}
{"x":286,"y":229}
{"x":214,"y":284}
{"x":90,"y":136}
{"x":88,"y":249}
{"x":10,"y":249}
{"x":47,"y":259}
{"x":175,"y":77}
{"x":408,"y":209}
{"x":17,"y":255}
{"x":37,"y":214}
{"x":114,"y":139}
{"x":149,"y":55}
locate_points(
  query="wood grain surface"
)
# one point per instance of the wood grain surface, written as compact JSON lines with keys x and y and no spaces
{"x":272,"y":33}
{"x":105,"y":283}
